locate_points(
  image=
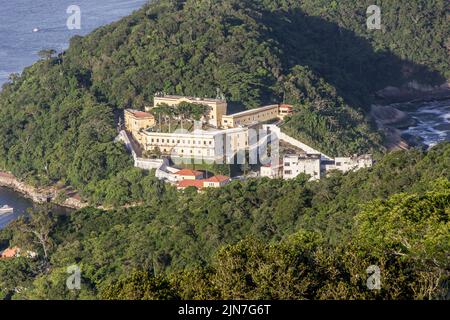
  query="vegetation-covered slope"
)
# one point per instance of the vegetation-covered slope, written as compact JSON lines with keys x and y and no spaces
{"x":395,"y":216}
{"x":57,"y":117}
{"x":293,"y":239}
{"x":406,"y":237}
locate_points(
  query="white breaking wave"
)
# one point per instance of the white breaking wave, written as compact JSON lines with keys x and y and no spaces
{"x":433,"y":119}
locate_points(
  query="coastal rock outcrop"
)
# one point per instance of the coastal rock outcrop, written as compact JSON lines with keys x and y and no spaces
{"x":413,"y":91}
{"x":40,"y":195}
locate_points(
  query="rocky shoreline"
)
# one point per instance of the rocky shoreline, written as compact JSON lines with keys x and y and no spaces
{"x":413,"y":92}
{"x":391,"y":120}
{"x":59,"y":196}
{"x":388,"y":120}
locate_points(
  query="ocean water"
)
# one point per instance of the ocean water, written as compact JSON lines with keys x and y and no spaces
{"x":432,"y":121}
{"x":19,"y":45}
{"x":15,"y":200}
{"x":21,"y":206}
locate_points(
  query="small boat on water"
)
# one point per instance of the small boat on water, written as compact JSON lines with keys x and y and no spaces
{"x":6,"y":209}
{"x":36,"y":30}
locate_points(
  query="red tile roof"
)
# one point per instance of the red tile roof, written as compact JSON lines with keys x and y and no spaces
{"x":141,"y":114}
{"x":286,"y":106}
{"x":191,"y":183}
{"x":200,"y":184}
{"x":218,"y":179}
{"x":189,"y":173}
{"x":10,"y":252}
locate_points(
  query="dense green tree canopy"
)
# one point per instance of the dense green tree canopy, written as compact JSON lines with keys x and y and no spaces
{"x":257,"y":239}
{"x":59,"y":115}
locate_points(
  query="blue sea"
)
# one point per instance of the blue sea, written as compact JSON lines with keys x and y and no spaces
{"x":21,"y":206}
{"x":19,"y":45}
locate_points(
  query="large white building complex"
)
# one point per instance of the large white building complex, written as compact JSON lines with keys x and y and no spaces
{"x":300,"y":158}
{"x":309,"y":164}
{"x":210,"y":145}
{"x":223,"y":136}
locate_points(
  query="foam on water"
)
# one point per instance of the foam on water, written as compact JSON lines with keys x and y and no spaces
{"x":446,"y":116}
{"x":432,"y":111}
{"x":430,"y":116}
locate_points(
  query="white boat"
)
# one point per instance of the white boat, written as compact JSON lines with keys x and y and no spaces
{"x":6,"y":209}
{"x":36,"y":30}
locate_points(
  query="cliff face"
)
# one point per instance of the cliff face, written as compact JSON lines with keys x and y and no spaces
{"x":388,"y":120}
{"x":413,"y":91}
{"x":390,"y":116}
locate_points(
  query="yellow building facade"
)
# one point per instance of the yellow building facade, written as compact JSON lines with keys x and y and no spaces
{"x":249,"y":117}
{"x":137,"y":121}
{"x":218,"y":107}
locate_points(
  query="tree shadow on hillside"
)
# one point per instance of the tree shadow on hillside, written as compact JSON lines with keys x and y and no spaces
{"x":344,"y":59}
